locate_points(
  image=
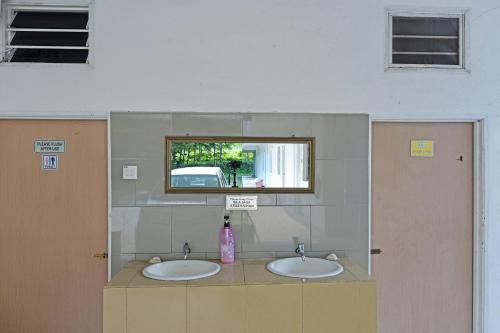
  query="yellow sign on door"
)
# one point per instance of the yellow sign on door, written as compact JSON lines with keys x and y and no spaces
{"x":422,"y":148}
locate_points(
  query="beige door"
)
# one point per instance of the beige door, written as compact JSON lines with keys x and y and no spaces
{"x":422,"y":221}
{"x":51,"y":225}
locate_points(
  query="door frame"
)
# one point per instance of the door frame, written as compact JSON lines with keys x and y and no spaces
{"x":479,"y":202}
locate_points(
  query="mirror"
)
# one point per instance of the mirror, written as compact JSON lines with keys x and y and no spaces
{"x":239,"y":164}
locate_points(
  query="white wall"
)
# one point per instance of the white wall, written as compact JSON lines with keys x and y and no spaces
{"x":266,"y":56}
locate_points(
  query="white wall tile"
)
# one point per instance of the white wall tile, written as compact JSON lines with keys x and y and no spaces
{"x":206,"y":124}
{"x":275,"y":125}
{"x":200,"y":227}
{"x":122,"y":191}
{"x":341,"y":136}
{"x":329,"y":189}
{"x":275,"y":228}
{"x":338,"y":227}
{"x":150,"y":187}
{"x":144,"y":229}
{"x":139,"y":135}
{"x":356,"y":181}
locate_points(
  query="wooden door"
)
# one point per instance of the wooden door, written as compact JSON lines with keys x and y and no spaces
{"x":422,"y":220}
{"x":51,"y":225}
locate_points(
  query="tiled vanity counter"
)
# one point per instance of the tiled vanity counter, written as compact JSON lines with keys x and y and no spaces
{"x":244,"y":297}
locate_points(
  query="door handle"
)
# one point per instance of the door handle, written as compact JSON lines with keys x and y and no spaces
{"x":103,"y":255}
{"x":375,"y":251}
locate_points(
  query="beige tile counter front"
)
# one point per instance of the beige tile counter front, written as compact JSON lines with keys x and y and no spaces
{"x":243,"y":298}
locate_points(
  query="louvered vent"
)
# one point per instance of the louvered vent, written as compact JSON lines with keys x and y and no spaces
{"x":47,"y":35}
{"x":426,"y":41}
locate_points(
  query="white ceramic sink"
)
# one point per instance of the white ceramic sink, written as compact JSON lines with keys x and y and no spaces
{"x":311,"y":268}
{"x":180,"y":270}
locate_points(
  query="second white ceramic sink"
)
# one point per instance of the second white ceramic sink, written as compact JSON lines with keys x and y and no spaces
{"x":310,"y":268}
{"x":181,"y":270}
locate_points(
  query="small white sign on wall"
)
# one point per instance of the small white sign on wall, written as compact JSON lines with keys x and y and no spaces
{"x":129,"y":172}
{"x":50,"y":162}
{"x":241,"y":202}
{"x":49,"y":146}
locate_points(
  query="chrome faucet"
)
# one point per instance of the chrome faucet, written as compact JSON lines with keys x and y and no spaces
{"x":187,"y":250}
{"x":301,"y":251}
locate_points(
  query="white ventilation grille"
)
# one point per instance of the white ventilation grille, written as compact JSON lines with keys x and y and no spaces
{"x":426,"y":41}
{"x":47,"y":34}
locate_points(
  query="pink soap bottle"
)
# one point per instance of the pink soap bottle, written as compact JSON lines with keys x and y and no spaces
{"x":226,"y":242}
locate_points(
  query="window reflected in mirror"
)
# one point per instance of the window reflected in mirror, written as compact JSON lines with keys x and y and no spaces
{"x":239,"y":164}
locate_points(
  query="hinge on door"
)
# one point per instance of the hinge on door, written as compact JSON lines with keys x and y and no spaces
{"x":375,"y":251}
{"x":103,"y":255}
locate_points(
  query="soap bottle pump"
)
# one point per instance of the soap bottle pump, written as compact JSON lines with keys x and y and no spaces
{"x":226,"y":242}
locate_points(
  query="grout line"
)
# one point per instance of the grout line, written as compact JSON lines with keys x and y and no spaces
{"x":126,"y":309}
{"x":167,"y":205}
{"x":132,"y":159}
{"x":302,"y":306}
{"x":244,"y":274}
{"x":135,"y":193}
{"x":187,"y":309}
{"x":310,"y":229}
{"x":171,"y":229}
{"x":344,"y":184}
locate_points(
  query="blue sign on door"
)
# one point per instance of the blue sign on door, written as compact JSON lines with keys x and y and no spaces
{"x":50,"y":162}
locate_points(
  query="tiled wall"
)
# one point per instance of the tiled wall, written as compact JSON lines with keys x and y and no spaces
{"x":146,"y":221}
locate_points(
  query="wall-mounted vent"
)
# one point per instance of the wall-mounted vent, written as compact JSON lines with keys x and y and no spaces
{"x":47,"y":35}
{"x":426,"y":41}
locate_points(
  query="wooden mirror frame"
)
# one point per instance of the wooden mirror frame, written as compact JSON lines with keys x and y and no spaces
{"x":310,"y":141}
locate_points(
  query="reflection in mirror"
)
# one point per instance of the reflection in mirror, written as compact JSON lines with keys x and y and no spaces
{"x":196,"y":164}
